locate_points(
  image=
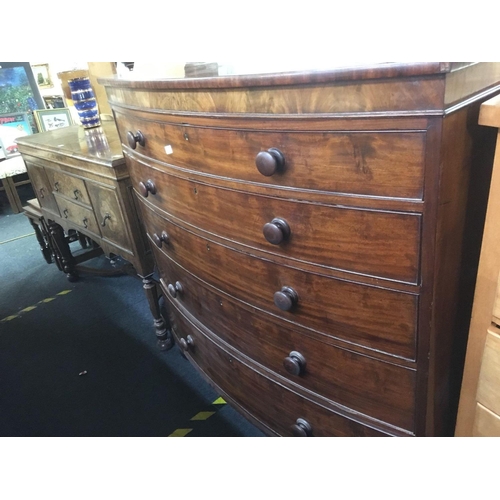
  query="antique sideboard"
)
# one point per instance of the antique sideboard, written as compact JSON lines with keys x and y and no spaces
{"x":81,"y":183}
{"x":317,"y":235}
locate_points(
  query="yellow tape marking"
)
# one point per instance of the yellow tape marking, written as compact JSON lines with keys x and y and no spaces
{"x":180,"y":433}
{"x":219,"y":401}
{"x":8,"y":318}
{"x":30,"y":308}
{"x":203,"y":415}
{"x":27,"y":309}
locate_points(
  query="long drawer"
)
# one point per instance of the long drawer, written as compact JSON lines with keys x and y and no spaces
{"x":272,"y":404}
{"x":77,"y":214}
{"x":375,"y":388}
{"x":377,"y":318}
{"x":376,"y":243}
{"x":376,"y":163}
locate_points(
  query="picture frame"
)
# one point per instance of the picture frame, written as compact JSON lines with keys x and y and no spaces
{"x":42,"y":77}
{"x":19,"y":92}
{"x":52,"y":119}
{"x":12,"y":126}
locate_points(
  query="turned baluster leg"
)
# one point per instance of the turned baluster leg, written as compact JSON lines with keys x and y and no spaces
{"x":67,"y":261}
{"x":162,"y":332}
{"x":44,"y":246}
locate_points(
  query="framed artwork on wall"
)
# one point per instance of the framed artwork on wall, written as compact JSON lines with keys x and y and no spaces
{"x":42,"y":75}
{"x":12,"y":126}
{"x":19,"y":92}
{"x":52,"y":119}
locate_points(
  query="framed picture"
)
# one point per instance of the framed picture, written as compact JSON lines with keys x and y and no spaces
{"x":52,"y":119}
{"x":12,"y":126}
{"x":42,"y":75}
{"x":19,"y":92}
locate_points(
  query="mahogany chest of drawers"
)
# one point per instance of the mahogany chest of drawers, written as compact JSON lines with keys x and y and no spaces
{"x":317,"y":236}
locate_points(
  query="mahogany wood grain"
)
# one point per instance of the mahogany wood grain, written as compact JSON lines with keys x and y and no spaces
{"x":274,"y":405}
{"x":376,"y":243}
{"x":381,"y":390}
{"x":388,"y":163}
{"x":377,"y":318}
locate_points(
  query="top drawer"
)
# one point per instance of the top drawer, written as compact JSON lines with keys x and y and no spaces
{"x":376,"y":163}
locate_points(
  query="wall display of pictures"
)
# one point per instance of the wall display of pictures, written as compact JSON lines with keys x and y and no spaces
{"x":12,"y":126}
{"x":52,"y":119}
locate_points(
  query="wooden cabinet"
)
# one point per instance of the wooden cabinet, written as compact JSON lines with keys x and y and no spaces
{"x":81,"y":183}
{"x":479,"y":409}
{"x":317,"y":236}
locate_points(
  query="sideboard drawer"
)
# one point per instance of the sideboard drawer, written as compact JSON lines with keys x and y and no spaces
{"x":272,"y":403}
{"x":68,"y":186}
{"x":42,"y":187}
{"x":375,"y":163}
{"x":378,"y":389}
{"x":380,"y":319}
{"x":376,"y":243}
{"x":78,"y":214}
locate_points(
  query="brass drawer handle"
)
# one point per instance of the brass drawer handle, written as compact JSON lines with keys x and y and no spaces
{"x":159,"y":240}
{"x":269,"y":162}
{"x":56,"y":185}
{"x":41,"y":190}
{"x":134,"y":139}
{"x":147,"y":187}
{"x":85,"y":223}
{"x":286,"y":299}
{"x":276,"y":231}
{"x":106,"y":217}
{"x":76,"y":193}
{"x":295,"y":363}
{"x":302,"y":428}
{"x":175,"y":290}
{"x":186,"y":343}
{"x":65,"y":212}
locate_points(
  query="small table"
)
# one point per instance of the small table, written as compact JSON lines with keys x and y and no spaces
{"x":8,"y":169}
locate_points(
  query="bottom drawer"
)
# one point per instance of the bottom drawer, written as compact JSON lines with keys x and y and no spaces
{"x":277,"y":408}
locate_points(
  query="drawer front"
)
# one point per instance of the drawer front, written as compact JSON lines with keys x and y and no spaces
{"x":378,"y":389}
{"x":68,"y":186}
{"x":382,"y":244}
{"x":376,"y":163}
{"x":377,"y":318}
{"x":109,"y":215}
{"x":81,"y":216}
{"x":270,"y":403}
{"x":42,"y":187}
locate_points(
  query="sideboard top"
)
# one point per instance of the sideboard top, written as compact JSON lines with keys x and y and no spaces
{"x":100,"y":145}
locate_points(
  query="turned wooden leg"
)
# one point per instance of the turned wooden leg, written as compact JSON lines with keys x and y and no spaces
{"x":63,"y":252}
{"x":163,"y":333}
{"x":42,"y":241}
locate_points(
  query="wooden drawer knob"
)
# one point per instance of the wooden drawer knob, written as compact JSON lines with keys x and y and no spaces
{"x":147,"y":187}
{"x":302,"y":428}
{"x":159,"y":240}
{"x":295,"y":363}
{"x":286,"y":299}
{"x":276,"y":231}
{"x":269,"y":162}
{"x":134,"y":139}
{"x":186,"y":343}
{"x":174,"y":290}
